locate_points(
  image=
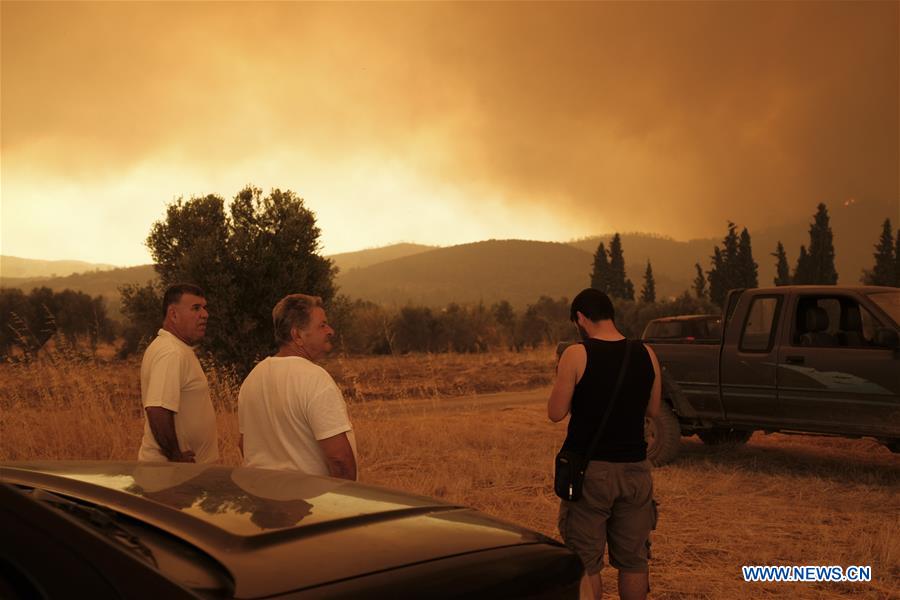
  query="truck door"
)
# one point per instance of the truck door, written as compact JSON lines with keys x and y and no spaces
{"x":749,"y":361}
{"x":832,"y":377}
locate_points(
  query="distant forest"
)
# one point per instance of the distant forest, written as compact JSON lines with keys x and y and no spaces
{"x":364,"y":326}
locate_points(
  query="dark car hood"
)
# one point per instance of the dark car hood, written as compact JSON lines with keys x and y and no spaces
{"x":277,"y":531}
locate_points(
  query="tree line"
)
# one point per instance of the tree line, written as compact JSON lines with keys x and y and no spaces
{"x":30,"y":320}
{"x":886,"y":269}
{"x":367,"y":328}
{"x":732,"y":264}
{"x":265,"y":246}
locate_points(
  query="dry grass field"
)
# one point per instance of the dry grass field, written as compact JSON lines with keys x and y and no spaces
{"x":780,"y":500}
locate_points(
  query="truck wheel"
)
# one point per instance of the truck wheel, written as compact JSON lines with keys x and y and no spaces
{"x":720,"y":437}
{"x":663,"y":435}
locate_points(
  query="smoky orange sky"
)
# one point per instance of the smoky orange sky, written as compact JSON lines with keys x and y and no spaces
{"x":444,"y":123}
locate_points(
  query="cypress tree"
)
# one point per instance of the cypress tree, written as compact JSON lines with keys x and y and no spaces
{"x":803,"y":270}
{"x":619,"y":285}
{"x":884,"y":270}
{"x":699,"y":282}
{"x":717,"y":289}
{"x":600,"y":276}
{"x":648,"y":294}
{"x":726,"y":273}
{"x":747,"y":271}
{"x":821,"y":249}
{"x":897,"y":259}
{"x":782,"y":271}
{"x":730,"y":255}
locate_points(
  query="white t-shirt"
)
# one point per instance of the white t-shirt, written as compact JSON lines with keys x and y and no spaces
{"x":285,"y":406}
{"x":171,"y":377}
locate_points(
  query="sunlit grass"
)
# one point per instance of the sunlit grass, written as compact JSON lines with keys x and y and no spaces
{"x":789,"y":500}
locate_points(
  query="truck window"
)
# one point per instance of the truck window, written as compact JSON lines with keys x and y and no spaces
{"x":759,"y":328}
{"x":869,"y":326}
{"x":714,"y":328}
{"x":889,"y":302}
{"x":666,"y":330}
{"x":832,"y":307}
{"x":829,"y":321}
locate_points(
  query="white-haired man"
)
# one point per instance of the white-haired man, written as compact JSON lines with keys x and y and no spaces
{"x":291,"y":413}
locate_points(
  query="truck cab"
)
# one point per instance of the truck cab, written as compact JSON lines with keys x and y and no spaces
{"x":809,"y":359}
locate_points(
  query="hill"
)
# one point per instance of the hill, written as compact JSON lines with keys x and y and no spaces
{"x":363,"y":258}
{"x":672,"y":260}
{"x":14,"y":266}
{"x":515,"y":270}
{"x":94,"y":283}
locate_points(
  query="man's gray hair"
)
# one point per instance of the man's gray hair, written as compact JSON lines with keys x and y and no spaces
{"x":292,"y":311}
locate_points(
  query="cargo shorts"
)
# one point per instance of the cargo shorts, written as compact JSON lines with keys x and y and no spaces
{"x":616,"y":509}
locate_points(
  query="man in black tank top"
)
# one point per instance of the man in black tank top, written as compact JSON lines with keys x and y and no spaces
{"x":617,"y":507}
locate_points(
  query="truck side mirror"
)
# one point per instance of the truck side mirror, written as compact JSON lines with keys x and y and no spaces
{"x":887,"y":338}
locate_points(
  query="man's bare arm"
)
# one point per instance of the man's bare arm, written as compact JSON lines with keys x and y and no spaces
{"x":339,"y":456}
{"x":655,"y":402}
{"x":162,"y":425}
{"x":571,"y":365}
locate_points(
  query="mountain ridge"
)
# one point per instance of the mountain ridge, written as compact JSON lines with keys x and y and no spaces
{"x":17,"y":266}
{"x":519,"y":271}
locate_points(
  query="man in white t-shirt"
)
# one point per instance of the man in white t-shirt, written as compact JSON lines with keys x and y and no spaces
{"x":180,"y":424}
{"x":290,"y":411}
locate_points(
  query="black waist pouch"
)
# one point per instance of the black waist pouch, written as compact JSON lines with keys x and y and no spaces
{"x":569,"y":477}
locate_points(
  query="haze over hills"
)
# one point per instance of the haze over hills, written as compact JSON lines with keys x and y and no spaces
{"x":519,"y":271}
{"x":370,"y":256}
{"x":14,"y":266}
{"x":94,"y":283}
{"x":516,"y":270}
{"x":672,"y":261}
{"x":855,"y":226}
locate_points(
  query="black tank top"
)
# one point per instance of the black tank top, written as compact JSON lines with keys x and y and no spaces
{"x":623,"y":437}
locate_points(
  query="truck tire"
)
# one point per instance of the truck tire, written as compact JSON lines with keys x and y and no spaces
{"x":663,"y":435}
{"x":721,"y":437}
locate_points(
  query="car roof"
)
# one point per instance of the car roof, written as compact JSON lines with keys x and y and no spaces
{"x":276,"y":531}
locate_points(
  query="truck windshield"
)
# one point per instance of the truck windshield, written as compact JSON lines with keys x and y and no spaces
{"x":889,"y":302}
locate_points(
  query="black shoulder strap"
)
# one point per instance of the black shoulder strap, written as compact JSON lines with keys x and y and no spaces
{"x":612,"y":400}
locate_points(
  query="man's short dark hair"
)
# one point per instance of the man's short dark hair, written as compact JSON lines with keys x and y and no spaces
{"x":175,"y":292}
{"x":292,"y":311}
{"x":593,"y":304}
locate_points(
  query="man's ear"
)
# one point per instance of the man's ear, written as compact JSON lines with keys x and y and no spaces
{"x":296,"y":335}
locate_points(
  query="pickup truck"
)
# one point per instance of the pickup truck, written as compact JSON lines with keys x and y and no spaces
{"x":793,"y":359}
{"x":684,"y":329}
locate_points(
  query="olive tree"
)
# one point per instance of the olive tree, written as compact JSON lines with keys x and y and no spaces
{"x":246,"y":259}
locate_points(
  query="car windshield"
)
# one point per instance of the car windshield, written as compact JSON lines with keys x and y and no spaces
{"x":889,"y":302}
{"x":175,"y":558}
